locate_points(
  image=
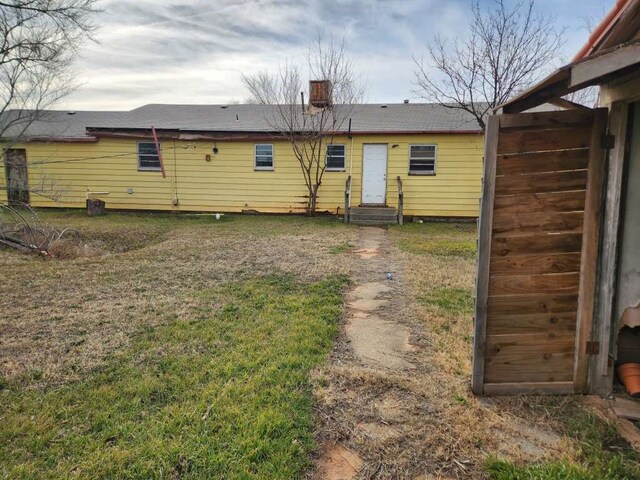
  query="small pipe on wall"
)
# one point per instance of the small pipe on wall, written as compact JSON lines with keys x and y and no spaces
{"x":350,"y":157}
{"x":175,"y":201}
{"x":89,"y":194}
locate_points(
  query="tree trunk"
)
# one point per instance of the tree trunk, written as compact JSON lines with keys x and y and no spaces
{"x":313,"y":200}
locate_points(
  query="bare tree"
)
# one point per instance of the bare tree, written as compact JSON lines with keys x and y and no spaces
{"x":309,"y":129}
{"x":589,"y":96}
{"x":38,"y":41}
{"x":506,"y":50}
{"x":591,"y":19}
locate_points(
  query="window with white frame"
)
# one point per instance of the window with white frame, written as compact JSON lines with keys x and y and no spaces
{"x":148,"y":156}
{"x":336,"y":157}
{"x":422,"y":159}
{"x":263,"y":156}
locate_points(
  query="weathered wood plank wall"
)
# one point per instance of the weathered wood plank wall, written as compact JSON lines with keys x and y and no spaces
{"x":530,"y":304}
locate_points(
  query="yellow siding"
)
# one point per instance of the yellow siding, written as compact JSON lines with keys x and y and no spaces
{"x":228,"y":183}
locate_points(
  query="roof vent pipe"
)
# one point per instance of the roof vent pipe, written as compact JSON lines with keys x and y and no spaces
{"x":406,"y":101}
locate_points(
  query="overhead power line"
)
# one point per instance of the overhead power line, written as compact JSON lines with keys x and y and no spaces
{"x":102,"y":157}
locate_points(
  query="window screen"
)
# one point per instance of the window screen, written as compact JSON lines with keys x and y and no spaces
{"x":264,"y":157}
{"x":148,"y":156}
{"x":336,"y":157}
{"x":422,"y":159}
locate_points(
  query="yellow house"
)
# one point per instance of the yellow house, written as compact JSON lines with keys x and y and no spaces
{"x":226,"y":158}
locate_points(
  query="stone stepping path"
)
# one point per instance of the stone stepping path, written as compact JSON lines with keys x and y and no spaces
{"x":376,"y":338}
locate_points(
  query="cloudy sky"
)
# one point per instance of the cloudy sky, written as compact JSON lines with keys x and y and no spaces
{"x":194,"y":51}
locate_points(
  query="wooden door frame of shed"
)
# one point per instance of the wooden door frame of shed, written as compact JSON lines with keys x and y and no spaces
{"x":590,"y":249}
{"x":485,"y":223}
{"x":601,"y":369}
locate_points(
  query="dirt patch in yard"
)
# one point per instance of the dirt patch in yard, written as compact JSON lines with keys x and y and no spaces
{"x":104,"y":242}
{"x":338,"y":463}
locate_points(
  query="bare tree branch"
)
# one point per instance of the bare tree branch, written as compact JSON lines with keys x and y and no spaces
{"x":39,"y":39}
{"x":589,"y":97}
{"x":307,"y":128}
{"x":38,"y":42}
{"x":507,"y":50}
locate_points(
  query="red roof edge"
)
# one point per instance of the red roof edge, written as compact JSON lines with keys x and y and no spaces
{"x":602,"y":29}
{"x":251,"y":136}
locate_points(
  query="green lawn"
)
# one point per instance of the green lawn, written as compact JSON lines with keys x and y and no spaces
{"x":211,"y":378}
{"x":221,"y":395}
{"x":175,"y":346}
{"x":602,"y":455}
{"x":440,"y":238}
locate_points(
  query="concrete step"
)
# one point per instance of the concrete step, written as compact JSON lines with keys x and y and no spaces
{"x":373,"y":215}
{"x":361,"y":221}
{"x":358,"y":218}
{"x":373,"y":210}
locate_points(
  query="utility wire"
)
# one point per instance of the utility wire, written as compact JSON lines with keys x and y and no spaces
{"x":103,"y":157}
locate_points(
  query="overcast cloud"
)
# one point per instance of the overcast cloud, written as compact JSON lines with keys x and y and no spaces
{"x":194,"y":51}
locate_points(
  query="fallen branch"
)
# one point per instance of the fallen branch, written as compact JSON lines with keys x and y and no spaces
{"x":22,"y":229}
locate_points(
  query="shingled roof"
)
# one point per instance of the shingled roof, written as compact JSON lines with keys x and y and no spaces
{"x":366,"y":118}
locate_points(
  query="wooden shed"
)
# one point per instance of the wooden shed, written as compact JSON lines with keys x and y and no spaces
{"x":559,"y":234}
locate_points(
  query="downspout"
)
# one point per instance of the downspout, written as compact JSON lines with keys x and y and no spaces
{"x":350,"y":156}
{"x":175,"y":201}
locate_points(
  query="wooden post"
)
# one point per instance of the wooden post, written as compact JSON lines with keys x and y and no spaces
{"x":400,"y":202}
{"x":347,"y":199}
{"x":590,"y":249}
{"x":158,"y":151}
{"x":601,"y":380}
{"x":95,"y":207}
{"x":484,"y":252}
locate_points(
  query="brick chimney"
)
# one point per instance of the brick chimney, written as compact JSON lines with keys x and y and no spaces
{"x":320,"y":93}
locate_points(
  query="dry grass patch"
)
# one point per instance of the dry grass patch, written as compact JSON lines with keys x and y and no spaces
{"x":440,"y":239}
{"x":62,"y":318}
{"x":443,"y":287}
{"x":181,"y":350}
{"x":512,"y":437}
{"x":105,"y":241}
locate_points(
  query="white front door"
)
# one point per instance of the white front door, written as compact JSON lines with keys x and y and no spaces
{"x":374,"y":174}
